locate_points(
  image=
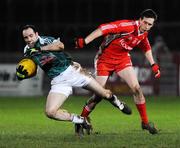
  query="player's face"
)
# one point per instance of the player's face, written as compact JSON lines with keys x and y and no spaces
{"x":30,"y":37}
{"x":146,"y":24}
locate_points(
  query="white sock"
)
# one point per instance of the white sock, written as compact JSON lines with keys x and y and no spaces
{"x":77,"y":119}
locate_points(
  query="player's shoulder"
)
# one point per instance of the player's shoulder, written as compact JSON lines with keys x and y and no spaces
{"x":46,"y":39}
{"x":126,"y":23}
{"x":26,"y":48}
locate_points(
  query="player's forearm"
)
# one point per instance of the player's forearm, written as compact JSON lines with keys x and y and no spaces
{"x":149,"y":57}
{"x":56,"y":46}
{"x":95,"y":34}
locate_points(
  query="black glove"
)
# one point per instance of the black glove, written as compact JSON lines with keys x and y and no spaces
{"x":32,"y":51}
{"x":20,"y":73}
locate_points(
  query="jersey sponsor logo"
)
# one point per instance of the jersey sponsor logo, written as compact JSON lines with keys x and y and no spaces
{"x":46,"y":59}
{"x":125,"y":45}
{"x":47,"y":62}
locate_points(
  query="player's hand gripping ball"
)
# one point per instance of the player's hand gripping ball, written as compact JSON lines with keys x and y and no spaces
{"x":26,"y":68}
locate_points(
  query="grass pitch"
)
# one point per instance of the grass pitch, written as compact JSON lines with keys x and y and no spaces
{"x":24,"y":125}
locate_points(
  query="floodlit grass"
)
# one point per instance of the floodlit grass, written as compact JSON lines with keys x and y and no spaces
{"x":24,"y":125}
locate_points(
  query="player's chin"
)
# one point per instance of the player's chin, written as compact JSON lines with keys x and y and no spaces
{"x":31,"y":45}
{"x":145,"y":31}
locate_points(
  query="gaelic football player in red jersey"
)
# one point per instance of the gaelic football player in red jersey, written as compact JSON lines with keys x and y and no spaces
{"x":120,"y":37}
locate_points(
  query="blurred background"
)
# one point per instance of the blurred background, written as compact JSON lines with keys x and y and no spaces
{"x":68,"y":19}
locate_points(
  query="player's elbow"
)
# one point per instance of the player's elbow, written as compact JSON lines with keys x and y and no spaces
{"x":60,"y":46}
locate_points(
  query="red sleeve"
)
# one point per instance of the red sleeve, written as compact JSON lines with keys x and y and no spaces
{"x":144,"y":45}
{"x":118,"y":27}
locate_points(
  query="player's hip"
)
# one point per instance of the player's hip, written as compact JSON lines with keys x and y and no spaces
{"x":74,"y":75}
{"x":111,"y":56}
{"x":105,"y":68}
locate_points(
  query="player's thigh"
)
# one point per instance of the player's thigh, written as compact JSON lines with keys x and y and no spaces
{"x":55,"y":100}
{"x":101,"y":80}
{"x":95,"y":87}
{"x":129,"y":76}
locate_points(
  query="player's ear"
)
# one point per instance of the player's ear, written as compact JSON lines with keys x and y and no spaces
{"x":37,"y":34}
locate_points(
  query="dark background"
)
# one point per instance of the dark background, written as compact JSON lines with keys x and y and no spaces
{"x":71,"y":18}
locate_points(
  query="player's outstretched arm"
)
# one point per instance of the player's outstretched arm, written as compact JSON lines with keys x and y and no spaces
{"x":81,"y":42}
{"x":55,"y":46}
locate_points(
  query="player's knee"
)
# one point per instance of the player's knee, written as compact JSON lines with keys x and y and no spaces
{"x":50,"y":113}
{"x":137,"y":91}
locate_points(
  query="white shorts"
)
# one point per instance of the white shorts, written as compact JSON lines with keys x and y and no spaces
{"x":71,"y":77}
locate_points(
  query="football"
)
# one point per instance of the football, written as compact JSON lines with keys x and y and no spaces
{"x":29,"y":65}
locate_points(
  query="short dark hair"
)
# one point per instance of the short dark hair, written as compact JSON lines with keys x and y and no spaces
{"x":29,"y":26}
{"x":149,"y":13}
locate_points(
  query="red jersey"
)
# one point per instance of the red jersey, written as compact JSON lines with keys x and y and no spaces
{"x":122,"y":36}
